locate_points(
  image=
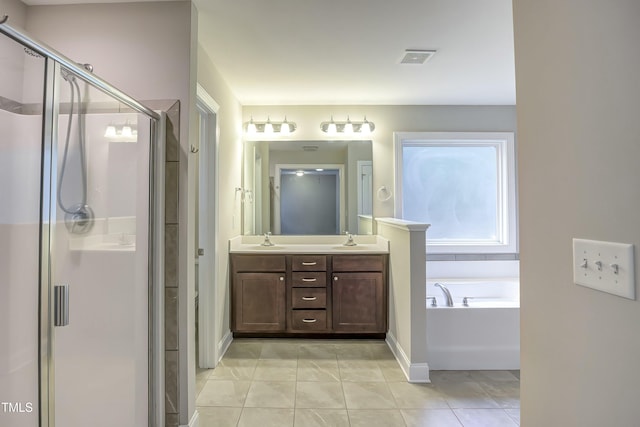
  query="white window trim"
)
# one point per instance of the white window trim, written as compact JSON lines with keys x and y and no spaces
{"x":508,"y":241}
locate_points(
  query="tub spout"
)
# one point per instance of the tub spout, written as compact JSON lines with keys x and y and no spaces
{"x":447,"y":294}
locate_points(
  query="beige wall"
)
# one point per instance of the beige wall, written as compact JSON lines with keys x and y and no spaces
{"x":229,"y":173}
{"x":388,"y":119}
{"x":13,"y":57}
{"x":578,"y":127}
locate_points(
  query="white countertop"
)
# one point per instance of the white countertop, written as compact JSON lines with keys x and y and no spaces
{"x":309,"y":245}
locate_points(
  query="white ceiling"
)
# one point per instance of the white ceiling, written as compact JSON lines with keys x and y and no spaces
{"x":318,"y":52}
{"x":323,"y":52}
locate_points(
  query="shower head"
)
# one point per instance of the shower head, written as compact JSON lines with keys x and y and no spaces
{"x":67,"y":75}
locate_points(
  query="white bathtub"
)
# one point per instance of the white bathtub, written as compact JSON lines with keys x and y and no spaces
{"x":483,"y":335}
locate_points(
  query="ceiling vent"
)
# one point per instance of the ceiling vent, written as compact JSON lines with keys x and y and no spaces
{"x":310,"y":147}
{"x":415,"y":56}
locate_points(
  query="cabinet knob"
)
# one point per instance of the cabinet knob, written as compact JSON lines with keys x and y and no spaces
{"x":282,"y":279}
{"x":335,"y":278}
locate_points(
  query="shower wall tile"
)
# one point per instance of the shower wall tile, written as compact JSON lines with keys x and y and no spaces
{"x":171,"y":192}
{"x":171,"y":378}
{"x":171,"y":251}
{"x":173,"y":133}
{"x":171,"y":319}
{"x":172,"y":420}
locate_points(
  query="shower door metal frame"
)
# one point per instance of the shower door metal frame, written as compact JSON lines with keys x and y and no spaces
{"x":54,"y":61}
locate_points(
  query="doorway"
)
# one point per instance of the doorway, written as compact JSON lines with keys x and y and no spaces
{"x":207,"y":230}
{"x":310,"y":199}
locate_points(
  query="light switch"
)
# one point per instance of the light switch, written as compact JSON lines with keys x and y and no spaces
{"x":605,"y":266}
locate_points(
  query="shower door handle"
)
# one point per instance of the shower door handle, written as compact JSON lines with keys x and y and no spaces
{"x":61,"y":305}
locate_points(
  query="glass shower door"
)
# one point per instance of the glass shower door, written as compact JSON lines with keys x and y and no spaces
{"x":21,"y":112}
{"x":100,"y":259}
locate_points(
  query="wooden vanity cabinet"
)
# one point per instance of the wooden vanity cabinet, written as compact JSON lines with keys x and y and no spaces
{"x":359,"y":293}
{"x":309,"y":294}
{"x":258,"y":293}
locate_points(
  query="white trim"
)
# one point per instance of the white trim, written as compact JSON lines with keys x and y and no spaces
{"x":276,"y":203}
{"x":415,"y":372}
{"x":209,"y":228}
{"x":360,"y":164}
{"x":403,"y":224}
{"x":224,"y":344}
{"x":206,"y":99}
{"x":507,"y":211}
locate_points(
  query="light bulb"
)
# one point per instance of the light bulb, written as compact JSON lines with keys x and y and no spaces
{"x":348,"y":127}
{"x":251,"y":127}
{"x":110,"y":132}
{"x":366,"y":127}
{"x":285,"y":128}
{"x":300,"y":173}
{"x":332,"y":129}
{"x":126,"y":131}
{"x":268,"y":127}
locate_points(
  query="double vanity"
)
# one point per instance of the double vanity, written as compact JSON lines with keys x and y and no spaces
{"x":309,"y":286}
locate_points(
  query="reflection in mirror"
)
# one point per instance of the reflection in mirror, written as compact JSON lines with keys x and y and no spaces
{"x":308,"y":187}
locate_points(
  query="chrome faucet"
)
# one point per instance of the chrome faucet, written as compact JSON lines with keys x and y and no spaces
{"x":349,"y":241}
{"x":447,"y":294}
{"x":267,"y":240}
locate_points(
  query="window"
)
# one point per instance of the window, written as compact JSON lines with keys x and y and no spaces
{"x":463,"y":184}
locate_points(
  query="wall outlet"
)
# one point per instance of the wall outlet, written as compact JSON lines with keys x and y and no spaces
{"x":604,"y":266}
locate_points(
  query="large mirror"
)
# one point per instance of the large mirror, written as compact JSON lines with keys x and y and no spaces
{"x":307,"y":187}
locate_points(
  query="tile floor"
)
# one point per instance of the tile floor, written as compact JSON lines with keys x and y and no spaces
{"x":278,"y":382}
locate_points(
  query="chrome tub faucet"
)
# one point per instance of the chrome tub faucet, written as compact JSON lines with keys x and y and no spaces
{"x":447,"y":294}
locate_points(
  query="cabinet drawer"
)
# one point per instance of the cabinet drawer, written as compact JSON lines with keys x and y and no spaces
{"x":311,"y":279}
{"x":358,"y":262}
{"x":309,"y":263}
{"x":309,"y":320}
{"x":258,"y":263}
{"x":309,"y":297}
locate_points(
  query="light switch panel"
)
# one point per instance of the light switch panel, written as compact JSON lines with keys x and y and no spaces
{"x":605,"y":266}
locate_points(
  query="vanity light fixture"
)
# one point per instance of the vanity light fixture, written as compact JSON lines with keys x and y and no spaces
{"x":121,"y":133}
{"x":269,"y":127}
{"x":347,"y":127}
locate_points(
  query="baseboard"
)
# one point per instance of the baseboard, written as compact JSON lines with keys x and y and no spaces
{"x":224,"y":344}
{"x":415,"y":372}
{"x":475,"y":358}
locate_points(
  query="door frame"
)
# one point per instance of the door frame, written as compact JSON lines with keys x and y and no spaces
{"x":208,"y":227}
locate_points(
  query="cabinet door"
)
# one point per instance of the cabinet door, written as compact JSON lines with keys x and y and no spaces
{"x":359,"y":302}
{"x":259,"y":302}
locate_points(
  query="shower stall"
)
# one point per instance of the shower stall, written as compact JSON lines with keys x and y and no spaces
{"x":78,"y":271}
